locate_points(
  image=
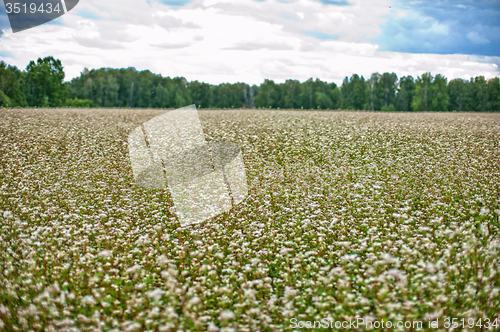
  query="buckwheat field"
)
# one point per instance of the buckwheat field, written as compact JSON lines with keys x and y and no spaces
{"x":350,"y":214}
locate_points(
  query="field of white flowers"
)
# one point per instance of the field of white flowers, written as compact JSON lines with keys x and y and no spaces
{"x":350,"y":214}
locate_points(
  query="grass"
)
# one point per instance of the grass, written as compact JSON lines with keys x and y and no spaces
{"x":350,"y":214}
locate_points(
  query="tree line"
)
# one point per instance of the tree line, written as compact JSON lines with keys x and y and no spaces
{"x":42,"y":85}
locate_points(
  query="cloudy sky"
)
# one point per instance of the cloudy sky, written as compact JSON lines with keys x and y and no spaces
{"x":218,"y":41}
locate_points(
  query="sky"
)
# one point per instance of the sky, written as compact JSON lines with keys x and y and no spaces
{"x":219,"y":41}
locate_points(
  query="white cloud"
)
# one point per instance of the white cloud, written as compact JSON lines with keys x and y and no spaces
{"x":232,"y":41}
{"x":253,"y":46}
{"x":171,"y":45}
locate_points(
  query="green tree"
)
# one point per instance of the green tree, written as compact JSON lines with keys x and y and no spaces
{"x":405,"y":94}
{"x":323,"y":100}
{"x":480,"y":94}
{"x":161,"y":97}
{"x":292,"y":91}
{"x":439,"y":97}
{"x":460,"y":94}
{"x":249,"y":94}
{"x":335,"y":95}
{"x":78,"y":103}
{"x":267,"y":95}
{"x":179,"y":100}
{"x":41,"y":85}
{"x":494,"y":94}
{"x":200,"y":93}
{"x":110,"y":90}
{"x":386,"y":90}
{"x":361,"y":93}
{"x":229,"y":95}
{"x":307,"y":94}
{"x":45,"y":78}
{"x":355,"y":93}
{"x":422,"y":89}
{"x":373,"y":82}
{"x":10,"y":86}
{"x":180,"y":92}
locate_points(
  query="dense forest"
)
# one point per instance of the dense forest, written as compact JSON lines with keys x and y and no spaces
{"x":42,"y":85}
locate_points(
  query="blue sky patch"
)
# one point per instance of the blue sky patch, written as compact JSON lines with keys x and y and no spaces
{"x":289,"y":16}
{"x":6,"y":54}
{"x":325,"y":2}
{"x":4,"y":20}
{"x":173,"y":3}
{"x":57,"y":21}
{"x":335,"y":2}
{"x":320,"y":35}
{"x":443,"y":27}
{"x":87,"y":14}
